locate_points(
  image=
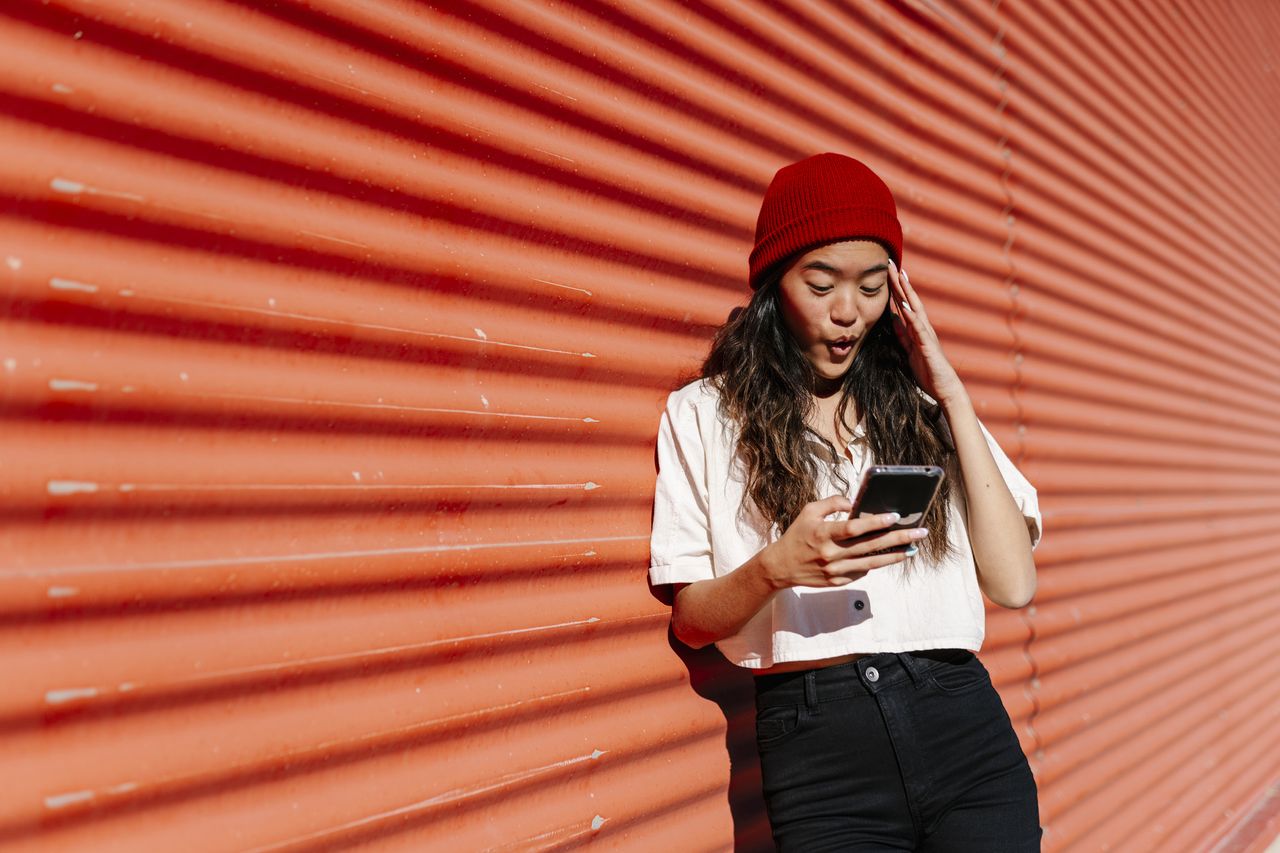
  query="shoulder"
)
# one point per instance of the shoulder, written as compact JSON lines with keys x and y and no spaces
{"x":693,"y":399}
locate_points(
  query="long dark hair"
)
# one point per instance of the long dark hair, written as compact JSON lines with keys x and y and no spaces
{"x":765,"y":386}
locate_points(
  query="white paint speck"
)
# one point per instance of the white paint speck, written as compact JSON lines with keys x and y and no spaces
{"x":356,"y":474}
{"x":122,"y":788}
{"x":126,"y":292}
{"x":62,"y":185}
{"x":58,"y":801}
{"x":68,"y":284}
{"x":271,"y":301}
{"x":484,"y":401}
{"x":565,"y":286}
{"x":63,"y":591}
{"x":13,"y":263}
{"x":62,"y":88}
{"x":481,"y":335}
{"x":65,"y":185}
{"x":70,"y":487}
{"x":588,"y":486}
{"x":57,"y":697}
{"x":10,"y":365}
{"x":184,"y":376}
{"x":597,"y":822}
{"x":72,"y":385}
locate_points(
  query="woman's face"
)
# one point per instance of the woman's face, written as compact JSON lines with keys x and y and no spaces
{"x":830,"y":297}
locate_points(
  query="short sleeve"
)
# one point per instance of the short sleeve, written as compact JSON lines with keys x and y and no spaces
{"x":680,"y":545}
{"x":1024,"y":494}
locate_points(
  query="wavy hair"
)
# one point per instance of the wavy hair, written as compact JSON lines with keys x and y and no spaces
{"x":765,"y":386}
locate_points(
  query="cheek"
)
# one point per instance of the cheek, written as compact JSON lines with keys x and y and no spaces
{"x":803,"y":318}
{"x":875,"y":309}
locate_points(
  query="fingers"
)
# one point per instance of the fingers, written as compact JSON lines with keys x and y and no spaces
{"x":863,"y":525}
{"x":873,"y":544}
{"x":857,"y":570}
{"x":874,"y":553}
{"x":830,"y":505}
{"x":905,"y":295}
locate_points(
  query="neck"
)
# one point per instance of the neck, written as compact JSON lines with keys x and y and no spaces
{"x":826,"y":388}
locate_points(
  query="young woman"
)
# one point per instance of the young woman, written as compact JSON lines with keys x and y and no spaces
{"x":878,"y":728}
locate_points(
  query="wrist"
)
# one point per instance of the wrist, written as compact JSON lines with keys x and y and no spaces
{"x":766,"y":573}
{"x":956,"y":402}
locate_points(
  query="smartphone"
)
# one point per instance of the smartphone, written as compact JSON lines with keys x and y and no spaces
{"x":908,"y":490}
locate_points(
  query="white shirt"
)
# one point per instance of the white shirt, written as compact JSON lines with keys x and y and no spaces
{"x":703,"y":528}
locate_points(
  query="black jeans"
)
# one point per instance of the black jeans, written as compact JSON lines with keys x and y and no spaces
{"x":894,"y":751}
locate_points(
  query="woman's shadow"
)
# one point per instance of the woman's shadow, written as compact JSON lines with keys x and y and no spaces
{"x":730,"y":687}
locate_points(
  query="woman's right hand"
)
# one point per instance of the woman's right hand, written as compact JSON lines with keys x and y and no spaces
{"x":821,"y":553}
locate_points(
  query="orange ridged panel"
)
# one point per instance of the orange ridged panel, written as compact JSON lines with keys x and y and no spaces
{"x":335,"y":337}
{"x":1145,"y":182}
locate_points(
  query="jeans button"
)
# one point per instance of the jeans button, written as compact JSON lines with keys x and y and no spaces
{"x":873,"y":674}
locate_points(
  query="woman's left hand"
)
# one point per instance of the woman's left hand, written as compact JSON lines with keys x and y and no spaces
{"x":911,"y":324}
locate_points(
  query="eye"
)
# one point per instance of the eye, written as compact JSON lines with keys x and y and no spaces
{"x":872,"y":291}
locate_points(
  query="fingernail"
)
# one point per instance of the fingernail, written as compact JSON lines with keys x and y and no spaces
{"x":919,"y":533}
{"x":890,"y":517}
{"x":911,"y":551}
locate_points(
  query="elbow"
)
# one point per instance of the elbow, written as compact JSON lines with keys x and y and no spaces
{"x":690,"y":637}
{"x":1013,"y":590}
{"x":1016,"y":599}
{"x":1016,"y":602}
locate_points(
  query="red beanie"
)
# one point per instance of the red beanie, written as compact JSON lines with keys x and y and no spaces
{"x":822,"y":199}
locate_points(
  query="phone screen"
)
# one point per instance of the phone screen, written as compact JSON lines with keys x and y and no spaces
{"x":908,"y":490}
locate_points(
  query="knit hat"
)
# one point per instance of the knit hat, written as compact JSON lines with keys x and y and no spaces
{"x":822,"y":199}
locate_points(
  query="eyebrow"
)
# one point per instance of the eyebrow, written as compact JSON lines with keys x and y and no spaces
{"x":822,"y":266}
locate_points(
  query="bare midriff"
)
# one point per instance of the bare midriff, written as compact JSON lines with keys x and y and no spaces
{"x":793,"y":665}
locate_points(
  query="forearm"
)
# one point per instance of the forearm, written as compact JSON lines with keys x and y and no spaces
{"x":710,"y":610}
{"x":997,"y":531}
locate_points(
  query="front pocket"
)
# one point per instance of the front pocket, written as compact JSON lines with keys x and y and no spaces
{"x":775,"y":723}
{"x":960,"y":677}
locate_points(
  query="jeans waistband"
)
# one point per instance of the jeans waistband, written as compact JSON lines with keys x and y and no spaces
{"x":864,"y":676}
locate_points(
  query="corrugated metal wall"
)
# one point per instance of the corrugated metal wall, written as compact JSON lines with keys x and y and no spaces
{"x":335,"y":337}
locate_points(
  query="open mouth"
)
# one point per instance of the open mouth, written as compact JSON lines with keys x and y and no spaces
{"x":840,"y":348}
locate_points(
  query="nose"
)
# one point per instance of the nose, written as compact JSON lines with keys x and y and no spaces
{"x":844,"y":308}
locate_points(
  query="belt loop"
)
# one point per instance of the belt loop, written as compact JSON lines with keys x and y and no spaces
{"x":811,"y":690}
{"x":912,"y":667}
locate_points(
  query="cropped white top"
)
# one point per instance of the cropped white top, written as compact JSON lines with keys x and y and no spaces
{"x":703,"y":528}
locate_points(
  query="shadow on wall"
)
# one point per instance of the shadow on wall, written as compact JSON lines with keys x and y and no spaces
{"x":729,"y":687}
{"x":716,"y":680}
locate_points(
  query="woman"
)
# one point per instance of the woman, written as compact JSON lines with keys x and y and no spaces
{"x":878,"y":728}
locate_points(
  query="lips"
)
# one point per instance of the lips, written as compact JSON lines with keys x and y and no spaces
{"x":840,"y":347}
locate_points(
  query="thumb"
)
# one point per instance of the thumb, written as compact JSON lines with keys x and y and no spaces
{"x":834,"y":503}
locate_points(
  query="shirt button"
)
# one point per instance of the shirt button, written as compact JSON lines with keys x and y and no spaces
{"x":873,"y":674}
{"x":858,"y":605}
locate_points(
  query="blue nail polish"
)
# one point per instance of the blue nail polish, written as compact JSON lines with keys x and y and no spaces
{"x":911,"y":551}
